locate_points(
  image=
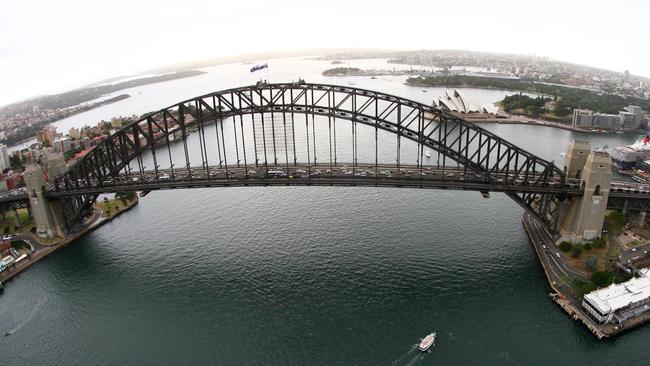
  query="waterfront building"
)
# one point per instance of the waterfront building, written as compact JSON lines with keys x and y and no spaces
{"x":629,"y":119}
{"x":619,"y":302}
{"x":456,"y":102}
{"x":607,"y":121}
{"x":583,"y":118}
{"x":634,"y":110}
{"x":638,"y":115}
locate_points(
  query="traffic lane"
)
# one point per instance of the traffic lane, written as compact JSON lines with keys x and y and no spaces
{"x":553,"y":253}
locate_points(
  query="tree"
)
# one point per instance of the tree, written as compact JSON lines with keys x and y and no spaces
{"x":125,"y":196}
{"x":562,"y":109}
{"x":602,"y":279}
{"x":565,"y":246}
{"x":576,"y":250}
{"x":591,"y":263}
{"x":599,"y":242}
{"x":587,"y":246}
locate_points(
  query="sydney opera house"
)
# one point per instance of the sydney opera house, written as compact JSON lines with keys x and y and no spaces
{"x":456,"y":102}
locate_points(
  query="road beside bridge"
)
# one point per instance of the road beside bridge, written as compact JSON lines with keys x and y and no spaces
{"x":559,"y":275}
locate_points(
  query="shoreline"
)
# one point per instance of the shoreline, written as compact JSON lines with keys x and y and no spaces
{"x":522,"y":120}
{"x":49,"y":249}
{"x":533,"y":122}
{"x":467,"y":86}
{"x":564,"y":300}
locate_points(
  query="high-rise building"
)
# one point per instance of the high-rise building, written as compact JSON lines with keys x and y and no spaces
{"x":47,"y":135}
{"x":74,"y":133}
{"x":62,"y":145}
{"x":638,"y":114}
{"x":4,"y":158}
{"x":583,"y":118}
{"x":607,"y":121}
{"x":628,"y":120}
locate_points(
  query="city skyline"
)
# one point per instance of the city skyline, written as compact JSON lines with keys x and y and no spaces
{"x":51,"y":48}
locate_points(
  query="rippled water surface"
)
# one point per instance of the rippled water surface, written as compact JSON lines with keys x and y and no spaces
{"x":305,"y":276}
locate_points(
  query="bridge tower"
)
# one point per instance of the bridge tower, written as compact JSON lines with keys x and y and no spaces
{"x":55,"y":165}
{"x":582,"y":217}
{"x":576,"y":157}
{"x":48,"y":215}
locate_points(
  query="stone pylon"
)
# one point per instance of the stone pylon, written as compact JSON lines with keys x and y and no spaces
{"x":582,"y":217}
{"x":55,"y":165}
{"x":576,"y":157}
{"x":48,"y":216}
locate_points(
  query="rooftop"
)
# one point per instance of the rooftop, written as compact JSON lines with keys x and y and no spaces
{"x":618,"y":296}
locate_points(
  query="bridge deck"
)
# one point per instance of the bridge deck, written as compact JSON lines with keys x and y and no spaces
{"x":409,"y":176}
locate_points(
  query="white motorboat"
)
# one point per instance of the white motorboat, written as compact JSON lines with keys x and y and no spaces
{"x":428,"y":342}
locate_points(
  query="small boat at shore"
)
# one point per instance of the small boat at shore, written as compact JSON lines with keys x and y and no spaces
{"x":428,"y":342}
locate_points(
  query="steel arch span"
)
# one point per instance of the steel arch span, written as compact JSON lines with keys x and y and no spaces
{"x":496,"y":163}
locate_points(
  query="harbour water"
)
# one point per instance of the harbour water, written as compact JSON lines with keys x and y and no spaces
{"x":302,"y":275}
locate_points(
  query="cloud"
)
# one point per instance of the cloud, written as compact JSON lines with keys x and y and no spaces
{"x":49,"y":46}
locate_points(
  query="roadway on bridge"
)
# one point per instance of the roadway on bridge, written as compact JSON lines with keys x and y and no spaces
{"x":324,"y":175}
{"x":333,"y":175}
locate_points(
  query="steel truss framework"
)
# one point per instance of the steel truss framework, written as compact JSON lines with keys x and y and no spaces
{"x":498,"y":163}
{"x":629,"y":202}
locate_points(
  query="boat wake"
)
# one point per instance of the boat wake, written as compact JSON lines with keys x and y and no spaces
{"x":403,"y":358}
{"x":20,"y":326}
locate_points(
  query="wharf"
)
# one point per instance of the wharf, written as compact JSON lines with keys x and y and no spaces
{"x":516,"y":120}
{"x":557,"y":273}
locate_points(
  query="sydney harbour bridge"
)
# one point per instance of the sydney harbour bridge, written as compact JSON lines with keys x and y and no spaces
{"x":303,"y":134}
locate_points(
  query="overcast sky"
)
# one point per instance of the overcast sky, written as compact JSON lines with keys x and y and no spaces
{"x":51,"y":46}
